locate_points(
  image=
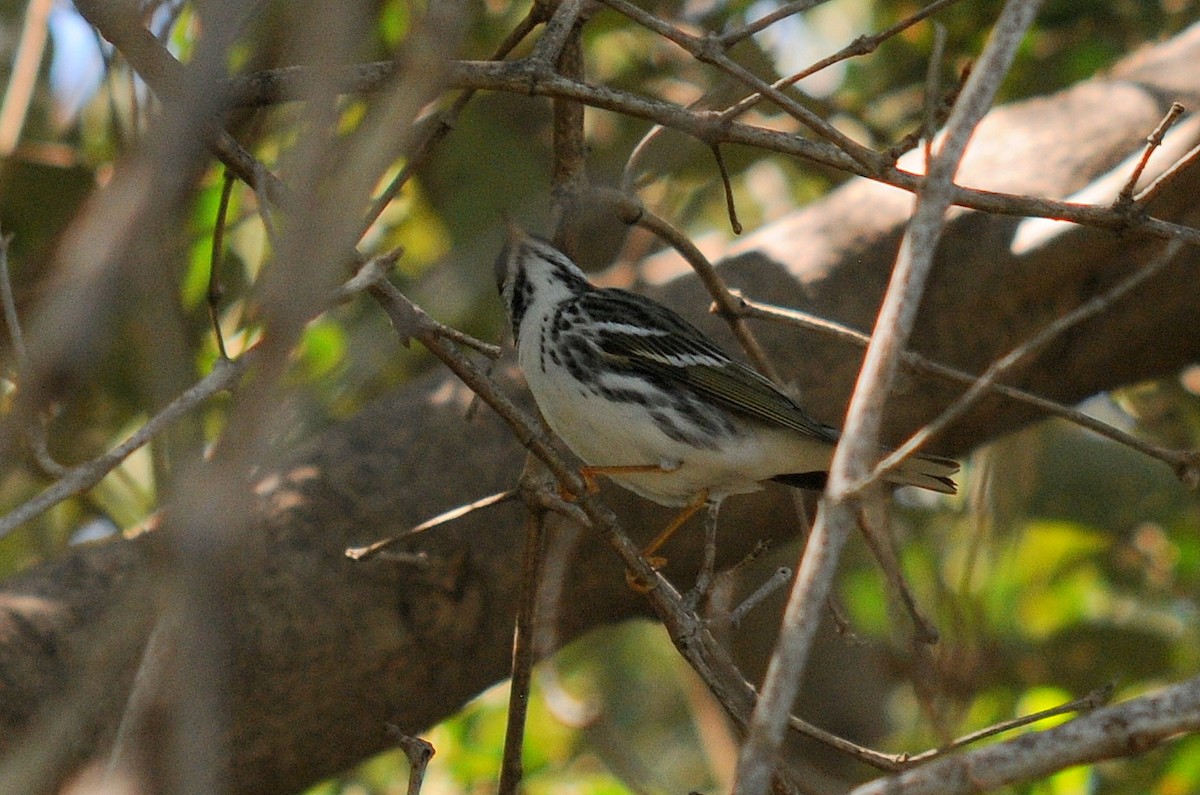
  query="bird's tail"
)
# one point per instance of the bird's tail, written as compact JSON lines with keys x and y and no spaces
{"x":931,"y":472}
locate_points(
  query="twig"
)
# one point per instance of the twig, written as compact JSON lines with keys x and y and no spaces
{"x":371,"y":550}
{"x":730,"y":206}
{"x":371,"y":271}
{"x":10,"y":304}
{"x":35,"y":433}
{"x":1154,"y":140}
{"x":23,"y":78}
{"x":632,"y":211}
{"x":704,"y":579}
{"x":898,"y":762}
{"x":1186,"y":469}
{"x":862,"y":45}
{"x":376,"y":270}
{"x":762,"y":23}
{"x":835,"y":518}
{"x":880,"y":544}
{"x":524,"y":646}
{"x":709,"y":49}
{"x":1179,"y":460}
{"x":418,"y":751}
{"x":82,"y":477}
{"x":215,"y":289}
{"x":1092,"y":701}
{"x":778,"y":579}
{"x":1111,"y":732}
{"x":441,"y":125}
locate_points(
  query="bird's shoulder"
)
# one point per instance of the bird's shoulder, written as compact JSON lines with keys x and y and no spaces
{"x":640,"y":333}
{"x":624,"y":323}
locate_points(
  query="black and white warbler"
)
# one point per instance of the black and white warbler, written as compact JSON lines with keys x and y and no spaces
{"x":645,"y":398}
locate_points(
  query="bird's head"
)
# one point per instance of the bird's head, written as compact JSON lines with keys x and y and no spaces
{"x":530,"y":271}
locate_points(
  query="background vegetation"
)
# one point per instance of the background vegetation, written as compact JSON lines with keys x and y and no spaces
{"x":1066,"y":565}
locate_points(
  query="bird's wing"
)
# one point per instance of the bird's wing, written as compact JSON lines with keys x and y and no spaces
{"x":646,"y":336}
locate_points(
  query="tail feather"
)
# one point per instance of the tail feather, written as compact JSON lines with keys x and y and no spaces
{"x":931,"y":472}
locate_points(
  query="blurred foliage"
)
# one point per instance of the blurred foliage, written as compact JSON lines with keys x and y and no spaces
{"x":1070,"y":564}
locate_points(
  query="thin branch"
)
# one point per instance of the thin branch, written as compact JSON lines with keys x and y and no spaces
{"x":778,"y":579}
{"x":762,"y":23}
{"x":1092,"y":701}
{"x":1186,"y":468}
{"x":862,"y":45}
{"x":371,"y":550}
{"x":631,"y":210}
{"x":215,"y":289}
{"x":35,"y":433}
{"x":882,"y":548}
{"x":710,"y":50}
{"x":704,"y":579}
{"x":1178,"y":460}
{"x":1153,"y":141}
{"x":730,"y":207}
{"x":11,"y":319}
{"x":524,"y":647}
{"x":1132,"y":727}
{"x":439,"y":126}
{"x":80,"y":478}
{"x":25,"y":66}
{"x":835,"y":518}
{"x":419,"y":752}
{"x":897,"y":762}
{"x":377,"y":268}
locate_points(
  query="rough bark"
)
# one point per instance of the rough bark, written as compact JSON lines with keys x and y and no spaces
{"x":327,"y":650}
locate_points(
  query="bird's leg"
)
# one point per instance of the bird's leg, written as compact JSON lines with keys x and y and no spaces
{"x":588,"y":473}
{"x":657,"y":561}
{"x":688,"y":511}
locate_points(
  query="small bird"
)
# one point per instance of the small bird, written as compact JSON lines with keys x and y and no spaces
{"x":645,"y":398}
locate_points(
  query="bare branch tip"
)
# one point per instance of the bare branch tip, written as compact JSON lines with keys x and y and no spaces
{"x":1188,"y":470}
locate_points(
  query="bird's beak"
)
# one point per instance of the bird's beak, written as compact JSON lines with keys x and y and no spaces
{"x":515,"y":233}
